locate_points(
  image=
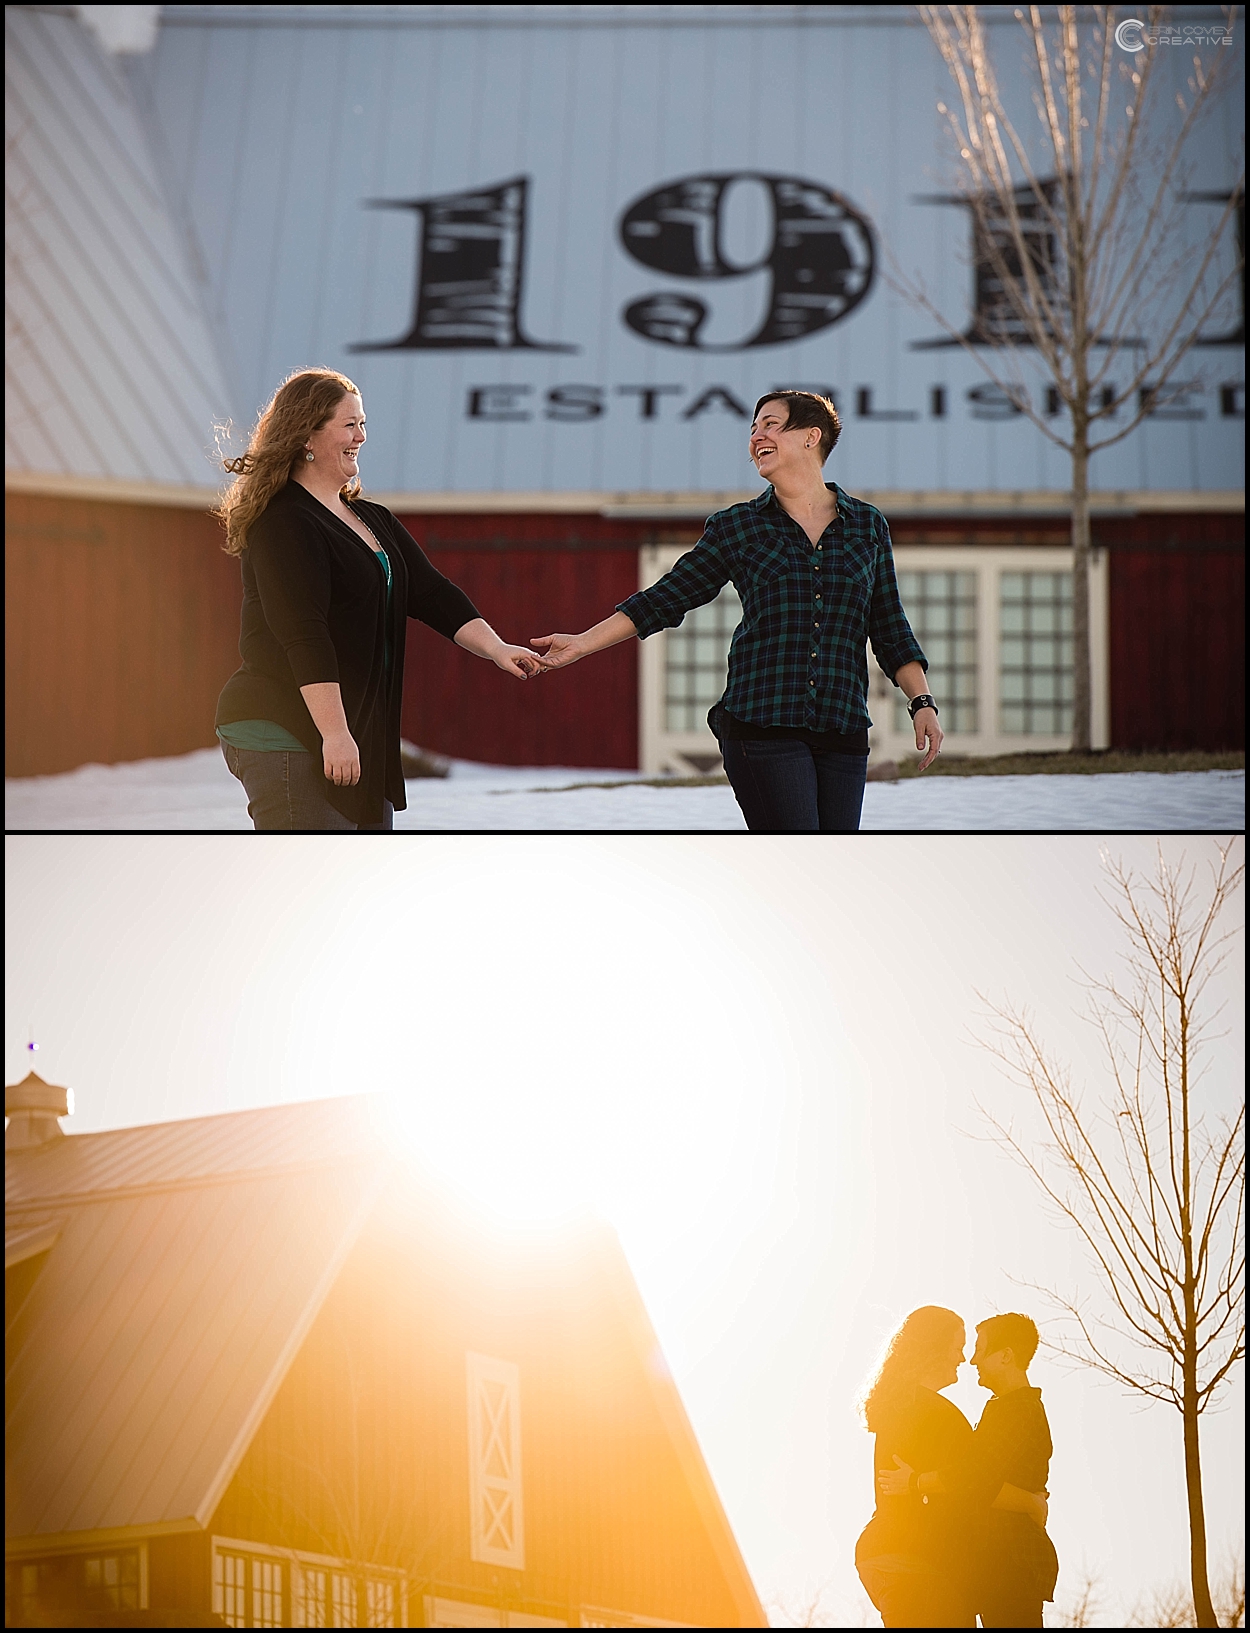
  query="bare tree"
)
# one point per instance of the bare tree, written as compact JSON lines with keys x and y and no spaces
{"x":1081,"y":259}
{"x":1150,"y":1177}
{"x":820,"y":1607}
{"x":1172,"y":1606}
{"x":1080,"y":1609}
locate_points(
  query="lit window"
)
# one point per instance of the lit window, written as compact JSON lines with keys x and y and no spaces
{"x":344,"y":1601}
{"x":381,"y":1603}
{"x":266,"y":1593}
{"x":696,"y":661}
{"x":238,"y":1578}
{"x":111,"y":1581}
{"x":942,"y":610}
{"x":230,"y":1587}
{"x":316,"y":1597}
{"x":496,"y":1528}
{"x":21,"y":1595}
{"x":1035,"y":686}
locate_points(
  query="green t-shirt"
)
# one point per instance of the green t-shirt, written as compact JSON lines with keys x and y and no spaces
{"x":263,"y":736}
{"x":267,"y":736}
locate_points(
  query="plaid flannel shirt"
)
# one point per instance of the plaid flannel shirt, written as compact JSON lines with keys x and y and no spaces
{"x":798,"y":656}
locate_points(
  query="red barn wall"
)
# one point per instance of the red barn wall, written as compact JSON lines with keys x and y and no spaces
{"x":1178,"y":630}
{"x":528,"y":575}
{"x":121,"y":626}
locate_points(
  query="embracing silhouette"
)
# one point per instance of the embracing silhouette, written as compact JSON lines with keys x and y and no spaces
{"x":959,"y":1528}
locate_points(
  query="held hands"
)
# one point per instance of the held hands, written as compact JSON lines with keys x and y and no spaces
{"x":479,"y":638}
{"x":894,"y":1482}
{"x":558,"y":651}
{"x":926,"y":724}
{"x":518,"y":661}
{"x":340,"y":759}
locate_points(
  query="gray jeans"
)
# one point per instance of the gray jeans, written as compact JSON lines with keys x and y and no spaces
{"x":286,"y":793}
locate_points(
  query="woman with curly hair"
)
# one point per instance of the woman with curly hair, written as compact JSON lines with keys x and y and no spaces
{"x":309,"y":723}
{"x":921,"y":1555}
{"x":912,"y":1556}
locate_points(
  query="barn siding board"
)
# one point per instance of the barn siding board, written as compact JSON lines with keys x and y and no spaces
{"x":179,"y":1573}
{"x":527,"y":577}
{"x":1177,"y":638}
{"x":122,"y":624}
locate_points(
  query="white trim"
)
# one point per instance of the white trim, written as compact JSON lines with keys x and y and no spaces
{"x":496,"y":1512}
{"x":673,"y":506}
{"x":291,"y":1348}
{"x":459,"y":1613}
{"x":663,"y":752}
{"x":989,"y":563}
{"x":116,"y":490}
{"x":27,"y":1244}
{"x":598,"y":1616}
{"x":106,"y":1540}
{"x":297,"y":1561}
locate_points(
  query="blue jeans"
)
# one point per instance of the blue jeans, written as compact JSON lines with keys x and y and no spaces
{"x":286,"y":793}
{"x":785,"y":787}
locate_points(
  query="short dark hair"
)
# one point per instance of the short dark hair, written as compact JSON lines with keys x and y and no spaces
{"x":804,"y":408}
{"x":1012,"y":1331}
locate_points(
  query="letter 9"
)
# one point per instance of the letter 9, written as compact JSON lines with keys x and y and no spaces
{"x":821,"y":256}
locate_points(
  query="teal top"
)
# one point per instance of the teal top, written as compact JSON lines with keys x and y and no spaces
{"x":266,"y":736}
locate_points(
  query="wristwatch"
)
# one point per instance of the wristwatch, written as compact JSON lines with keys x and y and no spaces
{"x":923,"y":701}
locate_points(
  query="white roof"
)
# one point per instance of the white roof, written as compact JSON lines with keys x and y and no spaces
{"x":110,"y":367}
{"x":189,"y":1261}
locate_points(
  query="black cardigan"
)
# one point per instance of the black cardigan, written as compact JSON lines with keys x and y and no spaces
{"x":314,"y":609}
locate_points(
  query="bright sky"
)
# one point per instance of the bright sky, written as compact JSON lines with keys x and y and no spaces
{"x":755,"y":1056}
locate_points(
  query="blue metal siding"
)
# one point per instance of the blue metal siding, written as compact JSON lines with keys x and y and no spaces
{"x":277,"y":133}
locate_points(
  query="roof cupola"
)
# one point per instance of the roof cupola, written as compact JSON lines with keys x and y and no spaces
{"x":33,"y":1108}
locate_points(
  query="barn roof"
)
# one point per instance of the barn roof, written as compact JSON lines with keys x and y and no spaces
{"x":166,"y":1278}
{"x":110,"y":367}
{"x":189,"y":1261}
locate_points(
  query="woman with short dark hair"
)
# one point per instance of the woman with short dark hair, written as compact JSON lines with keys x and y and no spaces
{"x":815,"y":572}
{"x":310,"y":723}
{"x":914,"y":1555}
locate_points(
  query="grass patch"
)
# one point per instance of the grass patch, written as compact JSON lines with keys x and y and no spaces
{"x":716,"y":781}
{"x":997,"y":765}
{"x":1100,"y":761}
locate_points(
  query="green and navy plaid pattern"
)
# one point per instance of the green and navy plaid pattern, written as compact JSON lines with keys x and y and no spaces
{"x":797,"y":658}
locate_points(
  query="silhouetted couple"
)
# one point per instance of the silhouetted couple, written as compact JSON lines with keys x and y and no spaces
{"x":960,"y":1523}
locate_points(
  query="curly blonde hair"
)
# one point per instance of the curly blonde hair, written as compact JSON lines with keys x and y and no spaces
{"x":302,"y":404}
{"x":924,"y":1337}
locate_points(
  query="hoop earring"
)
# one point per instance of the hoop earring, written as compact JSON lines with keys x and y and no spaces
{"x":309,"y":456}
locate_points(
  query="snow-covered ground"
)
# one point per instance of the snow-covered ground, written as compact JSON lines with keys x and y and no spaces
{"x":195,"y":791}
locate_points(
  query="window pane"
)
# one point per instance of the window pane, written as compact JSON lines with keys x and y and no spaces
{"x":938,"y":605}
{"x":1035,"y":655}
{"x":316,"y":1597}
{"x":266,"y":1593}
{"x":111,"y":1581}
{"x":696,"y":661}
{"x":344,"y":1604}
{"x":381,"y":1603}
{"x":229,"y":1588}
